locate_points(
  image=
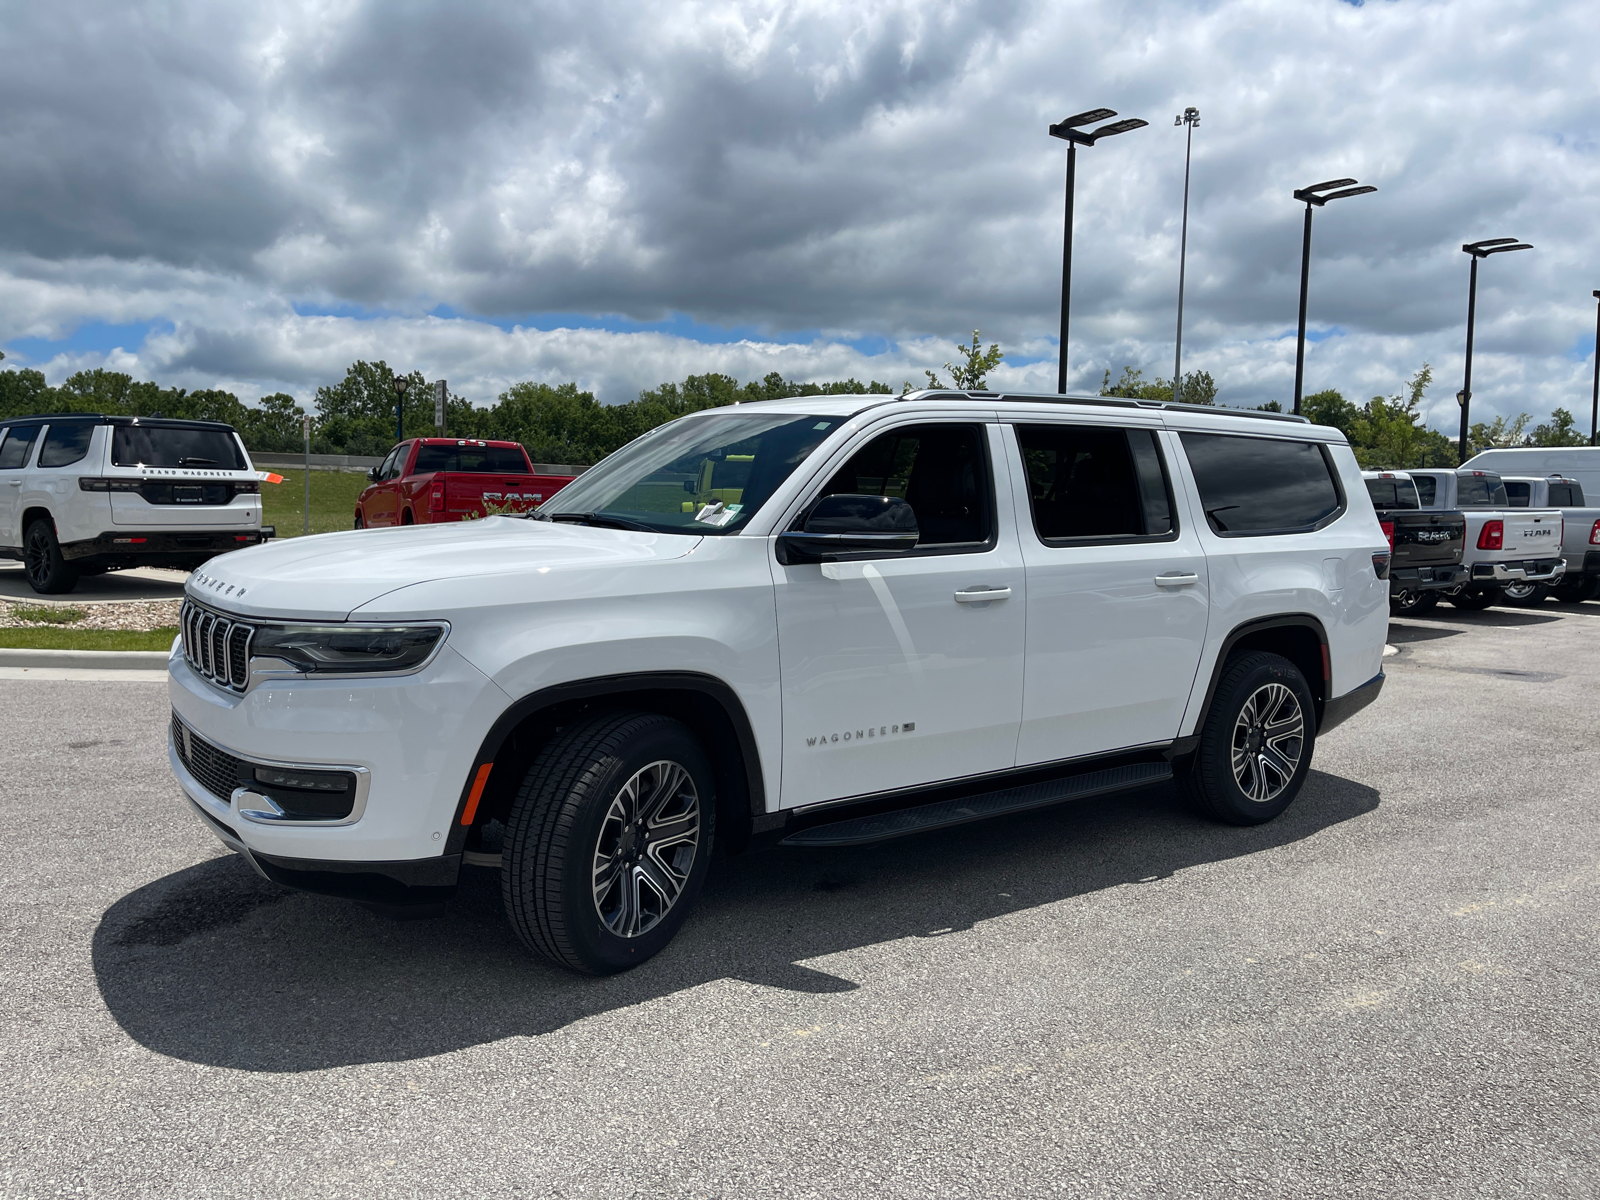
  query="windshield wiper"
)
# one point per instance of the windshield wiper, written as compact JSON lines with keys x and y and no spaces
{"x":604,"y":520}
{"x":184,"y":462}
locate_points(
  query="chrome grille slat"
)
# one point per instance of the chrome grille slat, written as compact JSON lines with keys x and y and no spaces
{"x":215,"y":646}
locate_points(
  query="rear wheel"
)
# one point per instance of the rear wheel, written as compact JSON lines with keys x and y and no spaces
{"x":360,"y":524}
{"x":407,"y":519}
{"x":1476,"y":599}
{"x":48,"y":573}
{"x":1256,"y":742}
{"x":608,"y":841}
{"x":1409,"y":602}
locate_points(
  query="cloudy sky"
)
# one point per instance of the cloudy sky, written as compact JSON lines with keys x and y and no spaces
{"x":252,"y":195}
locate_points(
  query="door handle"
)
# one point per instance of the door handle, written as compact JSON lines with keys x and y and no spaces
{"x":1176,"y":579}
{"x":982,"y":595}
{"x":14,"y":482}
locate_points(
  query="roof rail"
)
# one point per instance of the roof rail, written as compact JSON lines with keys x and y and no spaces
{"x":1099,"y":401}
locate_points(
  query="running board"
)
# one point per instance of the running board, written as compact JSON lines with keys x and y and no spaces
{"x":860,"y":831}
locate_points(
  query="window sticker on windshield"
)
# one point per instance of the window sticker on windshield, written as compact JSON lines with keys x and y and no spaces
{"x":716,"y":514}
{"x":822,"y":425}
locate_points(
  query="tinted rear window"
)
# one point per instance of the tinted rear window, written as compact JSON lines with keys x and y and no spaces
{"x":486,"y":460}
{"x":1566,"y":495}
{"x":1476,"y":489}
{"x":1254,"y":485}
{"x":1393,"y":493}
{"x":153,"y":446}
{"x":65,"y":444}
{"x":14,"y":450}
{"x":1093,"y":482}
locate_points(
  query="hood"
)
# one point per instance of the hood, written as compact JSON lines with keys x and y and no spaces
{"x":327,"y":576}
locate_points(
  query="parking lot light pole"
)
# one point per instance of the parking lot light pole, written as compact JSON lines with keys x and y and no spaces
{"x":1316,"y":195}
{"x":401,"y":383}
{"x":1594,"y":408}
{"x":1191,"y":118}
{"x":1464,"y":397}
{"x":1071,"y":132}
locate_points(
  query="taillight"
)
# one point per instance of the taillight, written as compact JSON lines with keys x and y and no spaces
{"x":1380,"y":564}
{"x":1594,"y":535}
{"x":436,"y":496}
{"x":1388,"y":532}
{"x":1493,"y":536}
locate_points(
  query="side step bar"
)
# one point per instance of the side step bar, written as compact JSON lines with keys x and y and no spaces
{"x":859,"y":831}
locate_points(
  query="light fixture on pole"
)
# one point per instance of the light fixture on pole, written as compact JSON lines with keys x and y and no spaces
{"x":1316,"y":195}
{"x":1074,"y":135}
{"x":1464,"y":397}
{"x":1191,"y":118}
{"x":1594,"y":409}
{"x":401,"y":383}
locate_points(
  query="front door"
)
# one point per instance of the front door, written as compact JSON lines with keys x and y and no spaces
{"x":1117,"y":590}
{"x":382,"y":505}
{"x":897,"y":671}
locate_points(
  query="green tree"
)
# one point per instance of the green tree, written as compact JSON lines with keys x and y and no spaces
{"x":1498,"y":434}
{"x":1198,"y":387}
{"x":1561,"y":430}
{"x":971,"y":374}
{"x":1388,"y":431}
{"x":1330,"y":408}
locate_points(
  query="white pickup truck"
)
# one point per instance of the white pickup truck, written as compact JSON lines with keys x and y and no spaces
{"x":1580,"y":541}
{"x":1504,"y":545}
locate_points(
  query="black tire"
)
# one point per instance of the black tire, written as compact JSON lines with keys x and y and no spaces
{"x":1524,"y":595}
{"x":566,"y":813}
{"x":1476,"y":599}
{"x":1214,"y":780}
{"x":407,"y":519}
{"x":1577,"y":591}
{"x":1403,"y":604}
{"x":48,"y":573}
{"x":360,"y":524}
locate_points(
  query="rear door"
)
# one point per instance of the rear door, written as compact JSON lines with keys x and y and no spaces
{"x":1117,"y":588}
{"x":16,"y":450}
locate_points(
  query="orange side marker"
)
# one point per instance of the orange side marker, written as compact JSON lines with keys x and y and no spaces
{"x":476,"y":794}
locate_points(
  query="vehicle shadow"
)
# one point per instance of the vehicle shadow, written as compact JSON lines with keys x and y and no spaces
{"x":1490,"y":616}
{"x":1400,"y":634}
{"x":214,"y":965}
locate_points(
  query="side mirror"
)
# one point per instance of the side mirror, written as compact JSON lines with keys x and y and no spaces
{"x":848,"y":525}
{"x":373,"y":473}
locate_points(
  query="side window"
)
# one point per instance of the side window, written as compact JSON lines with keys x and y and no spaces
{"x":14,"y":451}
{"x":1427,"y":488}
{"x":1563,"y":495}
{"x":1519,"y":493}
{"x":386,"y":469}
{"x":942,"y":471}
{"x":1095,"y":482}
{"x":1251,"y":485}
{"x":65,"y":444}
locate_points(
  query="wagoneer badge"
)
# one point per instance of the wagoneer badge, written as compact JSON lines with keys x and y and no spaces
{"x":861,"y":735}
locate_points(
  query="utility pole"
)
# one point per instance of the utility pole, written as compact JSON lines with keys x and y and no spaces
{"x":1190,"y":118}
{"x":1478,"y":250}
{"x":305,"y":428}
{"x":1313,"y":196}
{"x":1594,"y":409}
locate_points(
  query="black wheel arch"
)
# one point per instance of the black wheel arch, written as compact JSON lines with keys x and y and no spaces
{"x":1299,"y":637}
{"x":707,"y":705}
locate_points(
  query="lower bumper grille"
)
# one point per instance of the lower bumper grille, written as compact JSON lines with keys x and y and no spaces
{"x":216,"y":770}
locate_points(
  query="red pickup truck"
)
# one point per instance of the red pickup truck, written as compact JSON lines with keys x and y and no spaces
{"x":452,"y":479}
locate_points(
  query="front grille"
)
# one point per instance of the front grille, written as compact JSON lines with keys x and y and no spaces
{"x":216,"y":646}
{"x":217,"y":771}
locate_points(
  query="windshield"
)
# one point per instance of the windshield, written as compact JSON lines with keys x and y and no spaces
{"x":1392,"y":493}
{"x":699,"y":475}
{"x":154,"y":446}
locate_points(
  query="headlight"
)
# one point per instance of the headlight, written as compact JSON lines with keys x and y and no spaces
{"x":347,"y":649}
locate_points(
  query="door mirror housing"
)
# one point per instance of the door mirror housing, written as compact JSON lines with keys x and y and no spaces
{"x":374,"y":474}
{"x":849,"y":526}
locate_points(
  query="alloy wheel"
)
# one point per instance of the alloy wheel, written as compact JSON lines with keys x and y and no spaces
{"x":36,"y":556}
{"x":1520,"y":591}
{"x":646,"y":849}
{"x":1268,"y":740}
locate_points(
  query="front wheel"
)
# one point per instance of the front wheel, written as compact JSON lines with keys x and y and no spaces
{"x":360,"y":524}
{"x":608,"y":841}
{"x":48,"y":573}
{"x":1476,"y":599}
{"x":1256,"y":742}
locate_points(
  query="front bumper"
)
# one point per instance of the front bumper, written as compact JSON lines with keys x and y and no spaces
{"x":1531,"y":570}
{"x":411,"y":740}
{"x":1426,"y":579}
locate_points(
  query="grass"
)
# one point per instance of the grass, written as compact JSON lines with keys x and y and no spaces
{"x":46,"y":615}
{"x":333,"y":501}
{"x":87,"y":639}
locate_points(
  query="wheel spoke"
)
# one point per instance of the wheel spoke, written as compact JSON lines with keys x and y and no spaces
{"x":661,"y":791}
{"x":646,"y":848}
{"x":1267,"y":740}
{"x":666,"y":884}
{"x":684,"y":829}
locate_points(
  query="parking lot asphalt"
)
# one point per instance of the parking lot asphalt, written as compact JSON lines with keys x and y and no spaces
{"x":1388,"y":992}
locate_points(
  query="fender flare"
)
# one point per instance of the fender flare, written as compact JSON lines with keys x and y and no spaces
{"x":693,"y":682}
{"x":1239,"y":633}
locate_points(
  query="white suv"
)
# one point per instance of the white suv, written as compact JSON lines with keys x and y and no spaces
{"x":81,"y":494}
{"x":821,"y":621}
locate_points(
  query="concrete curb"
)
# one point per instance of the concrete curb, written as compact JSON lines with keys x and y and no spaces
{"x":95,"y":660}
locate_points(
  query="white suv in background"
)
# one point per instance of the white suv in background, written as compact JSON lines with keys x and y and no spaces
{"x":81,"y":494}
{"x":822,"y":621}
